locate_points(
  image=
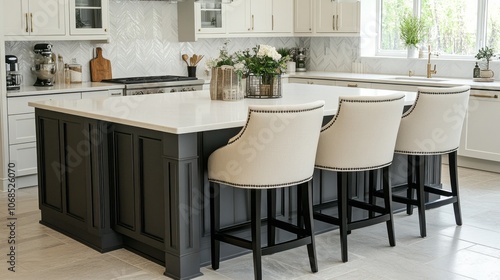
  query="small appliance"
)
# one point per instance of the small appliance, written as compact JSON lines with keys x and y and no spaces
{"x":45,"y":65}
{"x":301,"y":60}
{"x":14,"y":78}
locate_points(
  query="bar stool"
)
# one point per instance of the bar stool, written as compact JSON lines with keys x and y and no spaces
{"x":287,"y":138}
{"x":361,"y":137}
{"x":431,"y":127}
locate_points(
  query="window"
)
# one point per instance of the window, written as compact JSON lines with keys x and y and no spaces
{"x":455,"y":27}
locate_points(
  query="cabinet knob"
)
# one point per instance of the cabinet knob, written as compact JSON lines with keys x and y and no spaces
{"x":105,"y":30}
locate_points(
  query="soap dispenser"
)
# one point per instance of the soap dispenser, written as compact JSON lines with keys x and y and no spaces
{"x":477,"y":71}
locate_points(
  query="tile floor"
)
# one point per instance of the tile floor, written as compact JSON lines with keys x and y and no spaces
{"x":471,"y":251}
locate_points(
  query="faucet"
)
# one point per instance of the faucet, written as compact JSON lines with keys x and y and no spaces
{"x":429,"y":70}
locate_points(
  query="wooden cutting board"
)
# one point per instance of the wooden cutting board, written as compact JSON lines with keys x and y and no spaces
{"x":100,"y":68}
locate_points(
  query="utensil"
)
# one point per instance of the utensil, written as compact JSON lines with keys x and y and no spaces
{"x":199,"y":58}
{"x":185,"y":58}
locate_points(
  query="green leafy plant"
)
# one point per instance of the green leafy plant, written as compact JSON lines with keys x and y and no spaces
{"x":412,"y":30}
{"x":265,"y":60}
{"x":486,"y":53}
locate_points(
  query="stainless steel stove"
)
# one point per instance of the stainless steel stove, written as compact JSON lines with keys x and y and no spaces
{"x":158,"y":84}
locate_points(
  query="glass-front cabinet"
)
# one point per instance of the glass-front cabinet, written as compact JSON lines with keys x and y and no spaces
{"x":88,"y":17}
{"x":210,"y":18}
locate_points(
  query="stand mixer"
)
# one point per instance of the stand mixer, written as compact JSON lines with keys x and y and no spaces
{"x":45,"y":65}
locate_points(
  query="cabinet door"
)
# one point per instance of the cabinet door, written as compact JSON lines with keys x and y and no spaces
{"x":480,"y":135}
{"x":239,"y":16}
{"x":24,"y":155}
{"x":16,"y":20}
{"x":88,"y":17}
{"x":326,"y":13}
{"x":22,"y":128}
{"x":261,"y":15}
{"x":19,"y":105}
{"x":46,"y":17}
{"x":347,"y":19}
{"x":312,"y":81}
{"x":303,"y":16}
{"x":210,"y":18}
{"x":282,"y":18}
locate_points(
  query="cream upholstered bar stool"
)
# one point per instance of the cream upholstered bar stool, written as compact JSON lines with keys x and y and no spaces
{"x":288,"y":138}
{"x":361,"y":137}
{"x":432,"y":127}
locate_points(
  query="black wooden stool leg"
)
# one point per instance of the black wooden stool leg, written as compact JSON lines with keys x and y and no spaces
{"x":409,"y":180}
{"x":214,"y":224}
{"x":452,"y":160}
{"x":386,"y":185}
{"x":372,"y":184}
{"x":342,"y":205}
{"x":255,"y":201}
{"x":307,"y":212}
{"x":271,"y":216}
{"x":419,"y":162}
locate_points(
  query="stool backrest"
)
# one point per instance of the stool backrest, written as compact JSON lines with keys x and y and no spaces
{"x":433,"y":124}
{"x":362,"y":134}
{"x":276,"y":148}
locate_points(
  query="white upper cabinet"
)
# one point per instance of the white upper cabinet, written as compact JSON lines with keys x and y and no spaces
{"x":336,"y":16}
{"x":34,"y":18}
{"x":239,"y":17}
{"x":262,"y":13}
{"x":88,"y":17}
{"x":210,"y":18}
{"x":303,"y":16}
{"x":282,"y":17}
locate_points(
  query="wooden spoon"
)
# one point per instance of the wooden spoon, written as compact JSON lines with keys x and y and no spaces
{"x":185,"y":58}
{"x":195,"y":58}
{"x":200,"y":57}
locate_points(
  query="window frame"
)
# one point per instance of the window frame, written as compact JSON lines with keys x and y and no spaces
{"x":481,"y":35}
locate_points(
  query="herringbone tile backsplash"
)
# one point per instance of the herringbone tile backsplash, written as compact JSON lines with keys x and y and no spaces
{"x":144,"y":42}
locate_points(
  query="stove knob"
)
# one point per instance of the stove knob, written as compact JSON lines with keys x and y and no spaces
{"x":192,"y":89}
{"x":161,"y":91}
{"x":139,"y":92}
{"x":173,"y":90}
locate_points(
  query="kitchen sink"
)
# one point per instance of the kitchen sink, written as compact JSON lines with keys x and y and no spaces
{"x":416,"y":78}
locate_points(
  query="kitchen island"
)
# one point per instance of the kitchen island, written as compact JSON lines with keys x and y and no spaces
{"x":131,"y":171}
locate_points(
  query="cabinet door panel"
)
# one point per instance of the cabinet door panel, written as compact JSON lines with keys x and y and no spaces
{"x":24,"y":155}
{"x":17,"y":17}
{"x":124,"y":185}
{"x":481,"y":133}
{"x":348,"y":17}
{"x":22,"y":128}
{"x":238,"y":16}
{"x":325,"y":13}
{"x":262,"y":15}
{"x":47,"y":17}
{"x":303,"y":16}
{"x":282,"y":18}
{"x":50,"y":163}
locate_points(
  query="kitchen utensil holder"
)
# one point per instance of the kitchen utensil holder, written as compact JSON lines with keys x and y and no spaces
{"x":191,"y":71}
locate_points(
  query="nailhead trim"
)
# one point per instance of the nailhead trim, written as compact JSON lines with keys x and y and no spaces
{"x":425,"y":153}
{"x":270,"y":111}
{"x":353,"y":168}
{"x":252,"y":186}
{"x":431,"y":93}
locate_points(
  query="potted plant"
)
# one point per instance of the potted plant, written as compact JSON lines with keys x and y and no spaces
{"x":412,"y":30}
{"x":486,"y":53}
{"x":290,"y":64}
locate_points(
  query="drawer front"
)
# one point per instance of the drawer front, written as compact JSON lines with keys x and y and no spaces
{"x":19,"y":105}
{"x":24,"y":156}
{"x":22,"y":128}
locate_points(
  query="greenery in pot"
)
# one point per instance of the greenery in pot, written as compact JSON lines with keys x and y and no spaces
{"x":412,"y":29}
{"x":486,"y":53}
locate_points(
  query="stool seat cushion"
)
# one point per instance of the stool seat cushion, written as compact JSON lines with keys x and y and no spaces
{"x":433,"y":125}
{"x":276,"y":148}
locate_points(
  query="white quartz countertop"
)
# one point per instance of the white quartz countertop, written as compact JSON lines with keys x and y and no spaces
{"x":187,"y":112}
{"x":63,"y":88}
{"x":396,"y":79}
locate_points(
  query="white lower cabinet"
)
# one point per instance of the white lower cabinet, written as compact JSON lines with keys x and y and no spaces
{"x":24,"y":156}
{"x":312,"y":81}
{"x":353,"y":84}
{"x":22,"y":134}
{"x":480,"y":133}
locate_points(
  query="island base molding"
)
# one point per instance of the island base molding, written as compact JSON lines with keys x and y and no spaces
{"x":480,"y":164}
{"x":113,"y":186}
